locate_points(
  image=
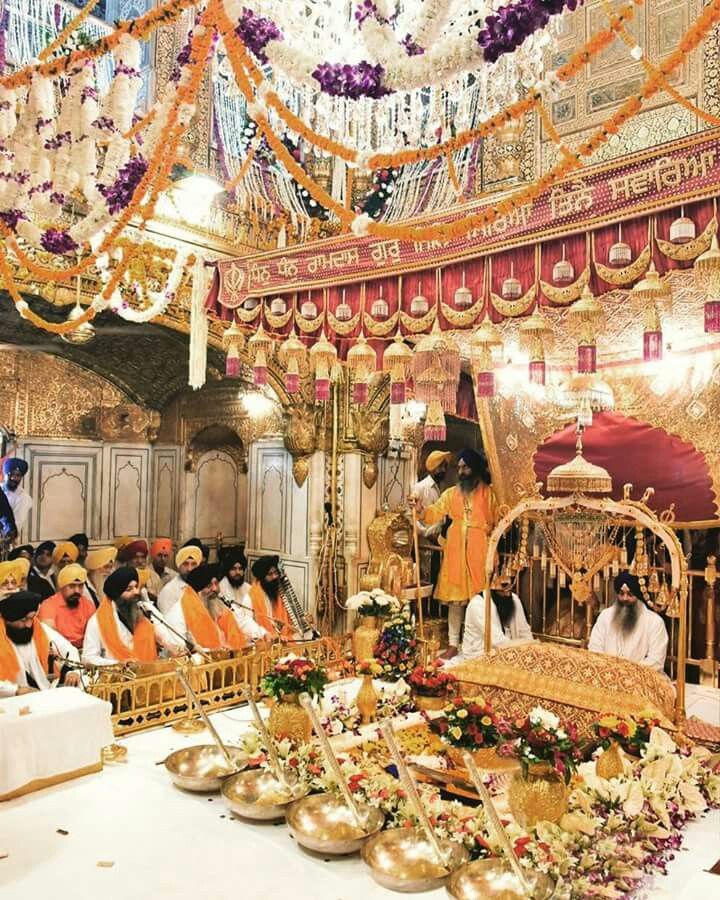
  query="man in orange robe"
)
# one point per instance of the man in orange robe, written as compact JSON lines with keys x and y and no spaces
{"x":69,"y":609}
{"x":202,"y":616}
{"x":266,"y":597}
{"x":468,"y":512}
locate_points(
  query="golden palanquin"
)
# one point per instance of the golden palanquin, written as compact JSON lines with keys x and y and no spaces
{"x":575,"y":684}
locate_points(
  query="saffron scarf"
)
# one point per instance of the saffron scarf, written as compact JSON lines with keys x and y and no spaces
{"x":143,"y":647}
{"x":199,"y":622}
{"x":9,"y":662}
{"x":258,"y":599}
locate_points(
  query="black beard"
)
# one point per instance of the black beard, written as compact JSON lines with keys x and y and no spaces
{"x":73,"y":601}
{"x":236,"y":582}
{"x":468,"y":483}
{"x":11,"y":487}
{"x":505,"y":605}
{"x":158,"y":568}
{"x":129,"y":614}
{"x":19,"y":635}
{"x":626,"y":617}
{"x":271,"y":588}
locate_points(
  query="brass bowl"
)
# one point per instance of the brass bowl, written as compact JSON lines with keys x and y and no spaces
{"x":325,"y":824}
{"x":403,"y":860}
{"x":257,"y":794}
{"x":202,"y":768}
{"x":494,"y":878}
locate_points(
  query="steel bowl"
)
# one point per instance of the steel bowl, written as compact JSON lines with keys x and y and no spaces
{"x":203,"y":768}
{"x":324,"y":823}
{"x":257,"y":794}
{"x":494,"y":878}
{"x":404,"y":860}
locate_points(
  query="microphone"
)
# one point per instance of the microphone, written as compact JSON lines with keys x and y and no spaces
{"x":149,"y":610}
{"x":230,"y":603}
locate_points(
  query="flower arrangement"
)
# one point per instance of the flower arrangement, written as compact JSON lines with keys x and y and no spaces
{"x":343,"y":717}
{"x":294,"y":675}
{"x":396,"y":649}
{"x":432,"y":681}
{"x":368,"y":667}
{"x":542,"y":738}
{"x":373,"y":603}
{"x":633,"y":734}
{"x":470,"y":723}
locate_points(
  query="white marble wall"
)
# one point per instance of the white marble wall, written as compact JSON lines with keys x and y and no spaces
{"x":103,"y":489}
{"x":215,"y":499}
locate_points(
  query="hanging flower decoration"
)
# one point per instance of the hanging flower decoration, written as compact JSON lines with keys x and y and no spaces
{"x":506,"y":29}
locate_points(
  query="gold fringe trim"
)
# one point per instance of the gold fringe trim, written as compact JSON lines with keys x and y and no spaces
{"x":307,"y":326}
{"x":278,"y":321}
{"x":343,"y":328}
{"x":415,"y":326}
{"x":380,"y":329}
{"x":461,"y":318}
{"x":512,"y":308}
{"x":248,"y":317}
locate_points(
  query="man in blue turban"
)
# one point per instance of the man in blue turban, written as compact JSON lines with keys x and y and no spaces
{"x":14,"y":470}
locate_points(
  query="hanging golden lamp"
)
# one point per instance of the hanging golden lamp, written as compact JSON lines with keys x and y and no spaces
{"x":362,"y":362}
{"x":682,"y":229}
{"x":587,"y":315}
{"x":259,"y":346}
{"x":463,"y":295}
{"x":278,"y":306}
{"x":251,"y":303}
{"x":707,"y":275}
{"x":537,"y":337}
{"x":233,"y":340}
{"x":419,"y":304}
{"x":309,"y":308}
{"x":485,"y":344}
{"x":380,"y":311}
{"x":397,"y":361}
{"x":436,"y":369}
{"x":649,"y":295}
{"x":343,"y":313}
{"x":81,"y":334}
{"x":620,"y":253}
{"x":291,"y":354}
{"x":511,"y":288}
{"x":563,"y":271}
{"x":579,"y":476}
{"x":323,"y":357}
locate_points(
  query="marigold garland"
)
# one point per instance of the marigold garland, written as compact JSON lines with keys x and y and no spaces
{"x":71,"y":26}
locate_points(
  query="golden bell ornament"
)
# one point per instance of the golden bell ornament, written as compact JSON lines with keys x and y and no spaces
{"x":369,"y":473}
{"x":540,"y":795}
{"x":682,"y":230}
{"x":463,"y":295}
{"x":278,"y":306}
{"x":419,"y":304}
{"x":289,"y":720}
{"x":563,"y":271}
{"x":620,"y":253}
{"x":511,"y":288}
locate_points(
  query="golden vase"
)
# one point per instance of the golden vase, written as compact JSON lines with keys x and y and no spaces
{"x":539,"y":796}
{"x":289,"y":720}
{"x":365,"y":637}
{"x":486,"y":758}
{"x":367,"y":700}
{"x":610,"y":762}
{"x":422,"y":701}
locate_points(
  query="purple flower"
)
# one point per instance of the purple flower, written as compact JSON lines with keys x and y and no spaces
{"x":122,"y":69}
{"x":40,"y":188}
{"x":57,"y":142}
{"x":412,"y":48}
{"x":256,"y":32}
{"x":119,"y":194}
{"x":182,"y":59}
{"x":104,"y":123}
{"x":11,"y":217}
{"x":55,"y":241}
{"x":57,"y":198}
{"x":42,"y":123}
{"x":358,"y":80}
{"x":506,"y":29}
{"x":88,"y":93}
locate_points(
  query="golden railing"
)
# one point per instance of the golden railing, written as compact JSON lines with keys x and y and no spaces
{"x":148,"y":696}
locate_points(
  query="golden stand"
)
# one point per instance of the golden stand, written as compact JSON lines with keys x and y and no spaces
{"x":418,"y":587}
{"x":192,"y":723}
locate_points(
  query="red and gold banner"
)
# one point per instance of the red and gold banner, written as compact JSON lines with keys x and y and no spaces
{"x":643,"y":183}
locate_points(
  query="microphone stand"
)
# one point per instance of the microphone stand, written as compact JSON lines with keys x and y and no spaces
{"x":190,"y":645}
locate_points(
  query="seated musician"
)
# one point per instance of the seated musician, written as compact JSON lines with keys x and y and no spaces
{"x":119,"y":631}
{"x":27,"y":647}
{"x":201,"y":615}
{"x":268,"y":601}
{"x":509,"y":623}
{"x":186,"y":559}
{"x":629,"y":629}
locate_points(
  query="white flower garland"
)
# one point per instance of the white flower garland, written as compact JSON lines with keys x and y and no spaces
{"x":159,"y":300}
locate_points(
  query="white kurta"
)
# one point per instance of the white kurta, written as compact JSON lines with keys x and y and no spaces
{"x":243,"y":611}
{"x":474,"y":637}
{"x":176,"y":619}
{"x":170,"y":594}
{"x":646,"y":644}
{"x":21,"y":503}
{"x":428,"y":493}
{"x":30,"y":662}
{"x":96,"y":653}
{"x":156,"y":583}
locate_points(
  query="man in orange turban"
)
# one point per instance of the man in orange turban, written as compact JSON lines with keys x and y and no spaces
{"x":69,"y":609}
{"x":119,"y":631}
{"x":160,"y":573}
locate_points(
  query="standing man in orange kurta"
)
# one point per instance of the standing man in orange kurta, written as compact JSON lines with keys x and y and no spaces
{"x":468,"y":511}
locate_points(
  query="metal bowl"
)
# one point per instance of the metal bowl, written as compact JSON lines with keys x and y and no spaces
{"x":203,"y":768}
{"x":403,"y":860}
{"x":257,"y":794}
{"x":325,"y":824}
{"x":494,"y":878}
